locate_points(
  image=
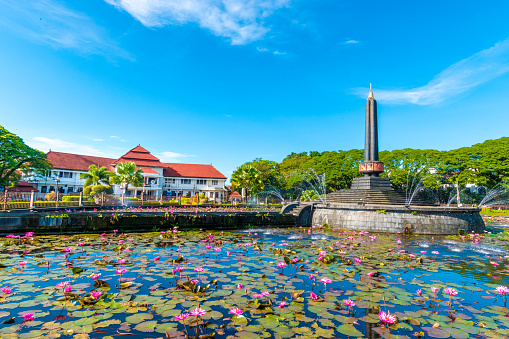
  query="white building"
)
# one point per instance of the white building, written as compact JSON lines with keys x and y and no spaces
{"x":169,"y":179}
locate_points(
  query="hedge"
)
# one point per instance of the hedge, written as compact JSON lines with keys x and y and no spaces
{"x":491,"y":211}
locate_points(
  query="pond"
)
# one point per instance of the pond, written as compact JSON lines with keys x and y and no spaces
{"x":259,"y":283}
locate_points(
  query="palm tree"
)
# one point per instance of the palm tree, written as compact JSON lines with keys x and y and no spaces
{"x":127,"y":174}
{"x":248,"y":177}
{"x":95,"y":176}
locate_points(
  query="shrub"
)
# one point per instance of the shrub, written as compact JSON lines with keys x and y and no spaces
{"x":185,"y":201}
{"x":51,"y":196}
{"x":71,"y":198}
{"x":98,"y":189}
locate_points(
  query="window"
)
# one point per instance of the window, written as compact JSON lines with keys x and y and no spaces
{"x":201,"y":182}
{"x":185,"y":181}
{"x":65,"y":174}
{"x":212,"y":194}
{"x":169,"y":181}
{"x":215,"y":182}
{"x":44,"y":189}
{"x":70,"y":189}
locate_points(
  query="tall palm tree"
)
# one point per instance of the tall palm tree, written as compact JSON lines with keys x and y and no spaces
{"x":127,"y":174}
{"x":247,"y":177}
{"x":96,"y":176}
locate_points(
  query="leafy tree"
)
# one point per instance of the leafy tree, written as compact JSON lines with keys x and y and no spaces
{"x":126,"y":174}
{"x":95,"y":176}
{"x":16,"y":157}
{"x":248,"y":177}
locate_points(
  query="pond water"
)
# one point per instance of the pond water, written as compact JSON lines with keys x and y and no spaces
{"x":115,"y":285}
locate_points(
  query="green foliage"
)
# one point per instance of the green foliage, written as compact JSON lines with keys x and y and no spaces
{"x":95,"y":176}
{"x":185,"y":201}
{"x":98,"y":189}
{"x":492,"y":211}
{"x":16,"y":156}
{"x":483,"y":164}
{"x":309,"y":195}
{"x":126,"y":174}
{"x":248,"y":177}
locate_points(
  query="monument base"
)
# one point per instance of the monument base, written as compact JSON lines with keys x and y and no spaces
{"x":371,"y":183}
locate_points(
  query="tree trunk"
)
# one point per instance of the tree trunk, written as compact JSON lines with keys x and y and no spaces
{"x":458,"y":201}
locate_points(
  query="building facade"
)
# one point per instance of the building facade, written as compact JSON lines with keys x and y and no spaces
{"x":168,"y":179}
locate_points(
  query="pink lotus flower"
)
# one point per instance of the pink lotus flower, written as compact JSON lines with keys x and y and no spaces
{"x":121,"y":270}
{"x":311,"y":276}
{"x":257,"y":296}
{"x":281,"y":265}
{"x":357,"y":260}
{"x":197,"y":312}
{"x":182,"y":316}
{"x":349,"y":303}
{"x":434,"y":289}
{"x":434,"y":252}
{"x":195,"y":281}
{"x":239,"y":286}
{"x":180,"y":268}
{"x":63,"y":284}
{"x":494,"y":263}
{"x":28,"y":317}
{"x":295,"y":260}
{"x":370,"y":274}
{"x":208,"y":247}
{"x":68,"y":289}
{"x":323,"y":253}
{"x":68,"y":249}
{"x":122,"y":261}
{"x":502,"y":289}
{"x":419,"y":292}
{"x":199,"y":269}
{"x":23,"y":263}
{"x":326,"y":280}
{"x":314,"y":296}
{"x":451,"y":291}
{"x":236,"y":311}
{"x":265,"y":293}
{"x":6,"y":290}
{"x":80,"y":244}
{"x":96,"y":294}
{"x":157,"y":258}
{"x":387,"y":317}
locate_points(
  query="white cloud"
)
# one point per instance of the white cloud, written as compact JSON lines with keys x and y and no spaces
{"x":97,"y":139}
{"x":279,"y":53}
{"x":242,"y":21}
{"x":262,"y":49}
{"x":49,"y":22}
{"x":172,"y":156}
{"x":454,"y":80}
{"x":352,"y":42}
{"x":114,"y":137}
{"x":46,"y":144}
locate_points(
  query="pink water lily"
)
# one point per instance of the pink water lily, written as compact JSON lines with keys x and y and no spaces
{"x":282,"y":304}
{"x":199,"y":269}
{"x":96,"y":294}
{"x":182,"y":316}
{"x":236,"y":311}
{"x":197,"y":312}
{"x":313,"y":296}
{"x":387,"y":318}
{"x":281,"y":265}
{"x":28,"y":317}
{"x":349,"y":303}
{"x":95,"y":276}
{"x":6,"y":290}
{"x":419,"y":292}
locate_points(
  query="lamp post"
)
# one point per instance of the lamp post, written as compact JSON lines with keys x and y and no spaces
{"x":57,"y":180}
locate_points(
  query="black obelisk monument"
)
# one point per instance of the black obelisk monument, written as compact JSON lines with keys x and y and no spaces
{"x":371,"y":167}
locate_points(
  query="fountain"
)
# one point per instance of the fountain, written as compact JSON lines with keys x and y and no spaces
{"x":371,"y":204}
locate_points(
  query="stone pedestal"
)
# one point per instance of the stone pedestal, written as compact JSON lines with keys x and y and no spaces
{"x":371,"y":183}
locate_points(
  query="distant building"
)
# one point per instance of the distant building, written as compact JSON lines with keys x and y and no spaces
{"x":169,"y":179}
{"x":235,"y":197}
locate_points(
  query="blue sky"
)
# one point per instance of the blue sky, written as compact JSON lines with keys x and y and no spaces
{"x":227,"y":81}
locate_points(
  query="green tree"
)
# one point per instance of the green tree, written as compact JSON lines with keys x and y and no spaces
{"x":16,"y":157}
{"x":248,"y":177}
{"x":95,"y":176}
{"x":126,"y":174}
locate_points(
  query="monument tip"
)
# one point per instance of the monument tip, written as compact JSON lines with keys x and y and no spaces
{"x":370,"y":95}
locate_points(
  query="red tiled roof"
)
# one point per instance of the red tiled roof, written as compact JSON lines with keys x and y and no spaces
{"x":192,"y":171}
{"x":22,"y":186}
{"x":235,"y":195}
{"x":141,"y":157}
{"x":77,"y":162}
{"x":148,"y":170}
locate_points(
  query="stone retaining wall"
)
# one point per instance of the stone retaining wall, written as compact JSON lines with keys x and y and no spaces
{"x":136,"y":222}
{"x":392,"y":219}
